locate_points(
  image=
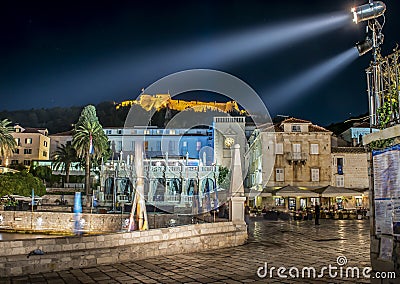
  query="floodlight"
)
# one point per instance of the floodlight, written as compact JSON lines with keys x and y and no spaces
{"x":369,"y":11}
{"x":364,"y":46}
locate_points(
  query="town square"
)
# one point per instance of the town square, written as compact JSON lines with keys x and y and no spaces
{"x":200,"y":142}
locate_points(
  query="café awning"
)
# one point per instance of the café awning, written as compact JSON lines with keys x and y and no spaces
{"x":294,"y":191}
{"x":334,"y":191}
{"x":257,"y":191}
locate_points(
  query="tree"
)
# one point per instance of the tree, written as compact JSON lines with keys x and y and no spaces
{"x":63,"y":157}
{"x":7,"y":141}
{"x":89,"y":139}
{"x":224,"y":177}
{"x":19,"y":167}
{"x":42,"y":172}
{"x":21,"y":183}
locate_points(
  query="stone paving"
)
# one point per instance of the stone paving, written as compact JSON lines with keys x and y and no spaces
{"x":295,"y":244}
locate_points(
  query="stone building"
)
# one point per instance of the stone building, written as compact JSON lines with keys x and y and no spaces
{"x":227,"y":131}
{"x":58,"y":139}
{"x":195,"y":143}
{"x":32,"y":144}
{"x":302,"y":155}
{"x":172,"y":185}
{"x":354,"y":134}
{"x":350,"y":167}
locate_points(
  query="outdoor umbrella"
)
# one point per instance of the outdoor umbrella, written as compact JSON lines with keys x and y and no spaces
{"x":333,"y":191}
{"x":294,"y":191}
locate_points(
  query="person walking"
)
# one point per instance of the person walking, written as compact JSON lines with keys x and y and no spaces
{"x":247,"y":215}
{"x":317,"y":214}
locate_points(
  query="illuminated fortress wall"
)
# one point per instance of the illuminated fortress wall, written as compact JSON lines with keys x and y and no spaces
{"x":160,"y":101}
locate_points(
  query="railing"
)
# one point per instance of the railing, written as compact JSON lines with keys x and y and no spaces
{"x":122,"y":198}
{"x":157,"y":169}
{"x":172,"y":198}
{"x":71,"y":172}
{"x":207,"y":169}
{"x":175,"y":169}
{"x":192,"y":168}
{"x":108,"y":197}
{"x":187,"y":198}
{"x":296,"y":156}
{"x":74,"y":185}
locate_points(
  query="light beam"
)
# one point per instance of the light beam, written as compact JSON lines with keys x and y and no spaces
{"x":130,"y":72}
{"x":276,"y":99}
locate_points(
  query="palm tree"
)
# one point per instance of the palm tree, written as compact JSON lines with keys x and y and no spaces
{"x":89,"y":140}
{"x":63,"y":157}
{"x":7,"y":141}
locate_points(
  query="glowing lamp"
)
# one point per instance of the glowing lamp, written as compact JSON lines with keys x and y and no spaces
{"x":369,"y":11}
{"x":364,"y":46}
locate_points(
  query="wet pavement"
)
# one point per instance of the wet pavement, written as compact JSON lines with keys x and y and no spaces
{"x":294,"y":245}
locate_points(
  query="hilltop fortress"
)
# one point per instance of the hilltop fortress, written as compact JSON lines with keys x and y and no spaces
{"x":160,"y":101}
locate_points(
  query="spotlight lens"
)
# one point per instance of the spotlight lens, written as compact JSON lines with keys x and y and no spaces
{"x":355,"y":18}
{"x":369,"y":11}
{"x":364,"y":47}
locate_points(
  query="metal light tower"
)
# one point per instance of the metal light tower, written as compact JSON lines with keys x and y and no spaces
{"x":371,"y":12}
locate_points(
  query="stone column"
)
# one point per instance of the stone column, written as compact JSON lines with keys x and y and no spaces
{"x":236,"y":190}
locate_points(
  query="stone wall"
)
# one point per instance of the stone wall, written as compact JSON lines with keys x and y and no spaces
{"x":61,"y":222}
{"x":355,"y":168}
{"x":85,"y":251}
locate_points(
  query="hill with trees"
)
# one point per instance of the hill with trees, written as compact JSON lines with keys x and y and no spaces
{"x":60,"y":119}
{"x":339,"y":127}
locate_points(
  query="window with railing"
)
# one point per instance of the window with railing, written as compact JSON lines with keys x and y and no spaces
{"x":314,"y":149}
{"x":296,"y":151}
{"x":279,"y":174}
{"x":340,"y":181}
{"x":314,"y":174}
{"x":279,"y":148}
{"x":339,"y":164}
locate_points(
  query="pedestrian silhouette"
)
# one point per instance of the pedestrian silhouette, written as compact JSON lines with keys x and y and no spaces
{"x":317,"y":213}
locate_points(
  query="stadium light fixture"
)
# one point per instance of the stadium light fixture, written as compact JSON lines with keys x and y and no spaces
{"x":372,"y":10}
{"x":364,"y":46}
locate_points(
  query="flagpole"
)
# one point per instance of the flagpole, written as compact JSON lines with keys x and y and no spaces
{"x":33,"y":200}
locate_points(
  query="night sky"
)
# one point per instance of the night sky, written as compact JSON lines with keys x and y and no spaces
{"x":65,"y":53}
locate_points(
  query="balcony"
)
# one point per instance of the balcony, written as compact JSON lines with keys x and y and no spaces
{"x":296,"y":157}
